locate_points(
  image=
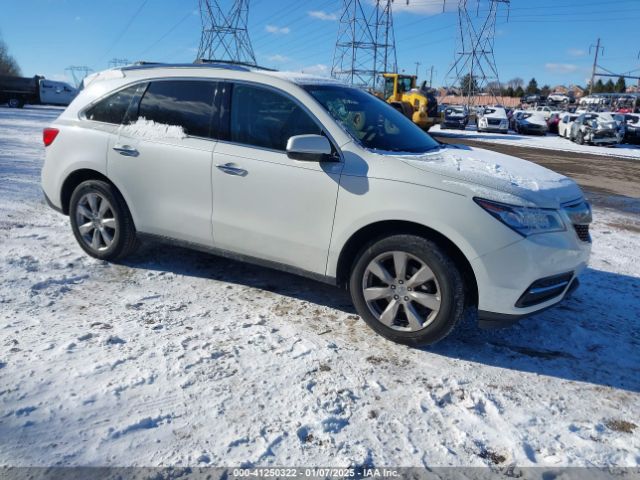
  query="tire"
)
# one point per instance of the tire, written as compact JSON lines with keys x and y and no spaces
{"x":15,"y":103}
{"x":443,"y":289}
{"x":103,"y":230}
{"x":580,"y":138}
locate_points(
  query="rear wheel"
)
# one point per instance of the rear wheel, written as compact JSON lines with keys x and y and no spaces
{"x":15,"y":103}
{"x":101,"y":221}
{"x":408,"y":290}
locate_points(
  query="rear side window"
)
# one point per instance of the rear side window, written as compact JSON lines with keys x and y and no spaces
{"x":114,"y":108}
{"x":185,"y":103}
{"x":263,"y":118}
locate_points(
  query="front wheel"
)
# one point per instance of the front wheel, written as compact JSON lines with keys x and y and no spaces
{"x":408,"y":290}
{"x":580,"y":138}
{"x":101,"y":221}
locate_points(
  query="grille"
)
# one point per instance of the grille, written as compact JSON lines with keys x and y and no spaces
{"x":583,"y":232}
{"x":493,"y":121}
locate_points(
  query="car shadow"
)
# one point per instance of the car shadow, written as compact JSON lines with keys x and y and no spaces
{"x":592,"y":337}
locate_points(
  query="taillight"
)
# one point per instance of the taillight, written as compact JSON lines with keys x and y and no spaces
{"x":49,"y":135}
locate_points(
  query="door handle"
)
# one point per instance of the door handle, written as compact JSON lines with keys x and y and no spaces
{"x":126,"y":150}
{"x":231,"y":169}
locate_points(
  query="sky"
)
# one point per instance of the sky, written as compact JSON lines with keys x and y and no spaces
{"x":550,"y":40}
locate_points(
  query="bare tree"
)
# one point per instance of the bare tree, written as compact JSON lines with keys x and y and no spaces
{"x":8,"y":64}
{"x":515,"y":83}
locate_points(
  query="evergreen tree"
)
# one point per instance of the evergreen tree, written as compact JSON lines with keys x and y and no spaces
{"x":532,"y":88}
{"x":621,"y":85}
{"x":609,"y":87}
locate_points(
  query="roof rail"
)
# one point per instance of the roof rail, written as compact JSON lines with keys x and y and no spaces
{"x":200,"y":63}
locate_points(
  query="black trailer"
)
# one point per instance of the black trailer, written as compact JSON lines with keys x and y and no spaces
{"x":18,"y":91}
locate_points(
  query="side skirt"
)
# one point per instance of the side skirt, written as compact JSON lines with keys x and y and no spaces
{"x":240,"y":257}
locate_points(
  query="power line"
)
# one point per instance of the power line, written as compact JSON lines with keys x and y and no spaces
{"x":126,"y":27}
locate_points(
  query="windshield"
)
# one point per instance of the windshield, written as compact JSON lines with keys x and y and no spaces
{"x":371,"y":121}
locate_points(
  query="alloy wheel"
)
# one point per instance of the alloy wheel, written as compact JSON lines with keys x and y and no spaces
{"x":96,"y":221}
{"x":401,"y":291}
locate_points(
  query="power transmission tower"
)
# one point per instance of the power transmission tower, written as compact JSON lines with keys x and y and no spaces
{"x":598,"y":49}
{"x":78,"y":73}
{"x":474,"y":68}
{"x":225,"y":36}
{"x":119,"y":62}
{"x":366,"y":45}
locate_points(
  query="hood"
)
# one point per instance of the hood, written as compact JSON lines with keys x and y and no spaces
{"x":497,"y":173}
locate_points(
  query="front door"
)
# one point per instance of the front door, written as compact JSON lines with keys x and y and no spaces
{"x":266,"y":205}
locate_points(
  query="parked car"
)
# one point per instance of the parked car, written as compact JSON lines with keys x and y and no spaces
{"x":533,"y":99}
{"x":629,"y":126}
{"x":493,"y":119}
{"x":531,"y":123}
{"x":546,"y":111}
{"x":564,"y":126}
{"x":553,"y":121}
{"x":455,"y":117}
{"x":16,"y":92}
{"x":314,"y":177}
{"x":596,"y":129}
{"x":559,"y":98}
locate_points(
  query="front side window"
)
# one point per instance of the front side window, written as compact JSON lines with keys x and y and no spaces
{"x":114,"y":108}
{"x":185,"y":103}
{"x":372,"y":122}
{"x":263,"y":118}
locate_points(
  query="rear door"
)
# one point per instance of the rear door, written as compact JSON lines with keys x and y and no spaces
{"x":161,"y":159}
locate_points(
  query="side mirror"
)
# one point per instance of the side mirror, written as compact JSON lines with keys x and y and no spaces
{"x":309,"y":148}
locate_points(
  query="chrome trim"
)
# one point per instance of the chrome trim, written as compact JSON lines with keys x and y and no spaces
{"x":535,"y":291}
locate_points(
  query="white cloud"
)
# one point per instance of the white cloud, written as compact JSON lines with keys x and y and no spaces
{"x":277,"y":30}
{"x":322,"y":15}
{"x":318,"y":69}
{"x":278,"y":58}
{"x":561,"y":67}
{"x":577,"y":52}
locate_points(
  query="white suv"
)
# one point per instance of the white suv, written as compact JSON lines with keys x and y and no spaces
{"x":315,"y":177}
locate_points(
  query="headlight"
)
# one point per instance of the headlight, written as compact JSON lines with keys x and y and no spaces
{"x":524,"y":220}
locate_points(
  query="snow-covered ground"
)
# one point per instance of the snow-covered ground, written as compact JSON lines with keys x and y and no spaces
{"x":180,"y":358}
{"x":547,"y":142}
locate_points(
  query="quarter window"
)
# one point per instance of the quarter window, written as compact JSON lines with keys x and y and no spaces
{"x":264,"y":118}
{"x":114,"y":108}
{"x":185,"y":103}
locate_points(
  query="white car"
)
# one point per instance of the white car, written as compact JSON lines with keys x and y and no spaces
{"x":493,"y":119}
{"x":559,"y":98}
{"x":314,"y":177}
{"x":564,"y":126}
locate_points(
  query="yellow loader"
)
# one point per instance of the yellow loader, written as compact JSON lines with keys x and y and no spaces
{"x":417,"y":104}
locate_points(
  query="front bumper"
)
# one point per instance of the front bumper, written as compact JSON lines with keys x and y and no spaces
{"x":506,"y":275}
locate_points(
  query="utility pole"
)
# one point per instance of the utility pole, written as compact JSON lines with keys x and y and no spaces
{"x":595,"y":63}
{"x":417,"y":68}
{"x":431,"y":77}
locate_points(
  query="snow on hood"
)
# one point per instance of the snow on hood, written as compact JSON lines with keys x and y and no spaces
{"x":150,"y":130}
{"x":499,"y":172}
